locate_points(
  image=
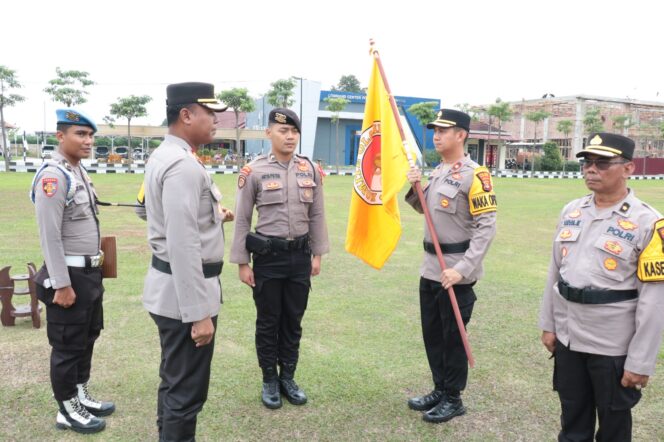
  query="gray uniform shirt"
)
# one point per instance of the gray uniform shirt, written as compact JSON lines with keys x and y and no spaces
{"x":184,"y":229}
{"x":599,"y":248}
{"x":289,"y":201}
{"x":65,"y":229}
{"x":448,"y":197}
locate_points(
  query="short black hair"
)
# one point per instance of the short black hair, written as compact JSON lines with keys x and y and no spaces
{"x":173,"y":112}
{"x":61,"y":127}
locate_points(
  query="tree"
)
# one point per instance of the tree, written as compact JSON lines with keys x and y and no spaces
{"x":425,"y":112}
{"x":536,"y":117}
{"x":592,"y":121}
{"x":552,"y":159}
{"x":621,"y":122}
{"x":336,"y":105}
{"x":348,"y":83}
{"x":281,"y":93}
{"x":502,"y":111}
{"x":8,"y":82}
{"x":473,"y":111}
{"x":240,"y":101}
{"x":130,"y":107}
{"x":565,"y":126}
{"x":68,"y":87}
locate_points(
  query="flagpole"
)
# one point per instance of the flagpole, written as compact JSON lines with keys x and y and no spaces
{"x":427,"y":215}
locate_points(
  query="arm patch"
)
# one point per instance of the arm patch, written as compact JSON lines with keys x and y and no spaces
{"x":481,"y":197}
{"x":651,"y":260}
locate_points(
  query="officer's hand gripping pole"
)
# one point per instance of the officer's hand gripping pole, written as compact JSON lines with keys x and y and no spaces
{"x":432,"y":231}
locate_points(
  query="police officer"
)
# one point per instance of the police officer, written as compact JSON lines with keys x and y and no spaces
{"x":462,"y":203}
{"x":602,"y":310}
{"x":287,"y":191}
{"x":70,"y":282}
{"x":182,"y":290}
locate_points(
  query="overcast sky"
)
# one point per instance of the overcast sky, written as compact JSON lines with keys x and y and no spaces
{"x":457,"y":51}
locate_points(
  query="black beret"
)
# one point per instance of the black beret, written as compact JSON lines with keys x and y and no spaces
{"x":608,"y":145}
{"x":285,"y":116}
{"x":190,"y":93}
{"x":451,"y":118}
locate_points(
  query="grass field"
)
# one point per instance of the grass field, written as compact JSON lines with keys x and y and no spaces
{"x":361,"y":356}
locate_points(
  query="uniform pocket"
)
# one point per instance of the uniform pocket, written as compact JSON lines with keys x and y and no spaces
{"x":613,"y":258}
{"x":79,"y":208}
{"x":272,"y":192}
{"x":447,"y":198}
{"x":306,"y":189}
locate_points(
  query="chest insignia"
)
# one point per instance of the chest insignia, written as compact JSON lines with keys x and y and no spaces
{"x":444,"y":202}
{"x":610,"y":264}
{"x":574,"y":214}
{"x":566,"y":233}
{"x":272,"y":185}
{"x":613,"y":247}
{"x":626,"y":224}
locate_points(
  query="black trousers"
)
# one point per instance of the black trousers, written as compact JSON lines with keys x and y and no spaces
{"x":442,"y":340}
{"x":589,"y":386}
{"x":185,"y":377}
{"x":283,"y":281}
{"x":72,"y":331}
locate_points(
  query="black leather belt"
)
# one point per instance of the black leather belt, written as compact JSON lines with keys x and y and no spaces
{"x":594,"y":296}
{"x":287,"y":245}
{"x":210,"y":270}
{"x":457,"y":247}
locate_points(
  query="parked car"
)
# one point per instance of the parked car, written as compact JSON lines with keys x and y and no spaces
{"x":47,"y":151}
{"x":139,"y":154}
{"x":102,"y":151}
{"x":123,"y":151}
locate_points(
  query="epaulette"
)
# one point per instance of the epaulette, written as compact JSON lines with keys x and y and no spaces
{"x":69,"y":178}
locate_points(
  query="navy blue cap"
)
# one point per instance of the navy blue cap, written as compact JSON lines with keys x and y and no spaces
{"x":451,"y":118}
{"x":608,"y":145}
{"x":285,"y":116}
{"x":74,"y":118}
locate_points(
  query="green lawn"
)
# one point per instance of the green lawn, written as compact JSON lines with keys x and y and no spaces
{"x":361,"y":357}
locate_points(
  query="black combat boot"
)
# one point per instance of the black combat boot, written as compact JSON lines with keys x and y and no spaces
{"x":426,"y":402}
{"x":449,"y":407}
{"x":289,"y":388}
{"x":76,"y":417}
{"x":270,"y":395}
{"x":97,"y":408}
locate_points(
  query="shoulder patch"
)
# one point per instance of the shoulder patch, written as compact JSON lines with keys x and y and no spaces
{"x":481,"y":197}
{"x":651,"y":260}
{"x":49,"y":186}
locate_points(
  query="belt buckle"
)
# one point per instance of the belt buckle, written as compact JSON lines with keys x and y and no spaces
{"x":97,"y":261}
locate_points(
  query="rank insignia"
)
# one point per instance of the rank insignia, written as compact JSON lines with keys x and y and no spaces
{"x":272,"y":185}
{"x":613,"y":247}
{"x":444,"y":202}
{"x":626,"y":224}
{"x":50,"y":186}
{"x":456,"y":176}
{"x":567,"y":233}
{"x":625,"y":207}
{"x":575,"y":214}
{"x":610,"y":264}
{"x":280,"y":118}
{"x":563,"y":251}
{"x":456,"y":166}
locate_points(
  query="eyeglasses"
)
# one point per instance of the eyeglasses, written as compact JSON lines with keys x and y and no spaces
{"x":601,"y":164}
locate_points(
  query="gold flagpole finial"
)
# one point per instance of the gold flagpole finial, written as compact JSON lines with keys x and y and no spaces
{"x":372,"y":48}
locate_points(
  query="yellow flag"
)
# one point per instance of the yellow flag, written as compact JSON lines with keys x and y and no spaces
{"x":374,"y":224}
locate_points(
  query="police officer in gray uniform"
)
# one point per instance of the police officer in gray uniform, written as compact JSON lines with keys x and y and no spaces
{"x":70,"y":282}
{"x":462,"y":204}
{"x":287,"y":190}
{"x":182,"y":290}
{"x":603,"y":307}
